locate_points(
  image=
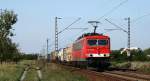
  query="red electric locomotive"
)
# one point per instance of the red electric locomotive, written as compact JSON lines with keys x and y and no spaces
{"x":91,"y":49}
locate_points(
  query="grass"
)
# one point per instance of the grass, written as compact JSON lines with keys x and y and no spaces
{"x":51,"y":72}
{"x":54,"y":72}
{"x":31,"y":75}
{"x":10,"y":72}
{"x":139,"y":66}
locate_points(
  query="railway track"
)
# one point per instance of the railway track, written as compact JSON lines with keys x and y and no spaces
{"x":130,"y":75}
{"x":111,"y":75}
{"x":28,"y":68}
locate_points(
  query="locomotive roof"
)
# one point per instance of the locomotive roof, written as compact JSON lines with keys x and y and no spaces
{"x":89,"y":34}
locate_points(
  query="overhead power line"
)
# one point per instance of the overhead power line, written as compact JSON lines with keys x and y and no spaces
{"x":67,"y":28}
{"x":140,"y":17}
{"x":69,"y":25}
{"x":126,"y":31}
{"x":116,"y":26}
{"x":72,"y":39}
{"x":113,"y":9}
{"x":77,"y":28}
{"x":52,"y":44}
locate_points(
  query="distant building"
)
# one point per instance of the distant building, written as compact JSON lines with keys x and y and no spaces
{"x":131,"y":48}
{"x":148,"y":55}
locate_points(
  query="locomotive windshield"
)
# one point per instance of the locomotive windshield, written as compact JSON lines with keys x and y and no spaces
{"x":102,"y":42}
{"x":97,"y":42}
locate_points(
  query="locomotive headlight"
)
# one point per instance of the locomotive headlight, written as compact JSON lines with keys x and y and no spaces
{"x":98,"y":55}
{"x":91,"y":55}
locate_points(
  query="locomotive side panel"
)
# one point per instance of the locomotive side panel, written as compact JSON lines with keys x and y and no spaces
{"x":77,"y":51}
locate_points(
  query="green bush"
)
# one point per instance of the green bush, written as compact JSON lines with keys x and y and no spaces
{"x":136,"y":55}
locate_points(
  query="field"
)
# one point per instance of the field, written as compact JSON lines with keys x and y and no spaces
{"x":51,"y":72}
{"x":54,"y":72}
{"x":10,"y":72}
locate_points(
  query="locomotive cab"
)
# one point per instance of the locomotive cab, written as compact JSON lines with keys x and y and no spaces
{"x":98,"y":51}
{"x":92,"y":49}
{"x":98,"y":48}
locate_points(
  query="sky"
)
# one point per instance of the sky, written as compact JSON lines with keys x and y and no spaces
{"x":36,"y":21}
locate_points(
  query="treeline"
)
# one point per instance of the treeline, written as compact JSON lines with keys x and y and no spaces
{"x":29,"y":56}
{"x":8,"y":49}
{"x":136,"y":55}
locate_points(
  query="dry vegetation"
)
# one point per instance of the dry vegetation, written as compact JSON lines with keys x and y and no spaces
{"x":139,"y":66}
{"x":10,"y":72}
{"x":54,"y":72}
{"x":51,"y":72}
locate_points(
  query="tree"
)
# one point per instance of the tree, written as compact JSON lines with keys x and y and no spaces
{"x":136,"y":55}
{"x":147,"y":51}
{"x":117,"y":56}
{"x":8,"y":49}
{"x":7,"y":19}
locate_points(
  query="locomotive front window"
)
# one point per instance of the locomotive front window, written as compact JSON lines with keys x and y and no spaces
{"x":97,"y":42}
{"x":92,"y":42}
{"x":102,"y":42}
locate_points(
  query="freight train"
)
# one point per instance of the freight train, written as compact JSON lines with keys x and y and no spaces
{"x":89,"y":50}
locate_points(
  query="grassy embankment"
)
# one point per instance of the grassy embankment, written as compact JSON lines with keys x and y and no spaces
{"x":32,"y":72}
{"x":139,"y":66}
{"x":11,"y":71}
{"x":54,"y":72}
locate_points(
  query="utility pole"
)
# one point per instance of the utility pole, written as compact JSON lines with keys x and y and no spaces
{"x":94,"y":24}
{"x":128,"y":51}
{"x":47,"y":41}
{"x":56,"y":35}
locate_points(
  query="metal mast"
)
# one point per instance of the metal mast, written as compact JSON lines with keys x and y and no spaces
{"x":128,"y":52}
{"x":47,"y":45}
{"x":56,"y":34}
{"x":129,"y":33}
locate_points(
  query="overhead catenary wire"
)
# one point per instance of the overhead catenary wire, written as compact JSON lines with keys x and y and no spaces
{"x":116,"y":26}
{"x":69,"y":25}
{"x":113,"y":9}
{"x":135,"y":20}
{"x":83,"y":29}
{"x":77,"y":28}
{"x":107,"y":13}
{"x":76,"y":35}
{"x":66,"y":28}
